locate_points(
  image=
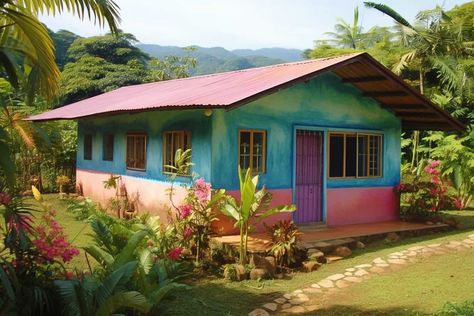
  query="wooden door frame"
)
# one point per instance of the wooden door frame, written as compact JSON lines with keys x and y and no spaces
{"x":323,"y":132}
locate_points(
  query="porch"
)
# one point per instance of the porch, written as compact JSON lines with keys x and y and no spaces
{"x":326,"y":239}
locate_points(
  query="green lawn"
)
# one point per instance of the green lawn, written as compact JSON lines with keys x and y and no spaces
{"x":420,"y":288}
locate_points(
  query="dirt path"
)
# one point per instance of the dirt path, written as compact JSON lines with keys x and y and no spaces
{"x":325,"y":293}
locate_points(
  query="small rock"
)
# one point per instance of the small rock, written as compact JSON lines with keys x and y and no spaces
{"x":312,"y":308}
{"x":295,"y":310}
{"x":271,"y":306}
{"x":350,"y":269}
{"x":434,"y":245}
{"x":285,"y":306}
{"x":259,"y":312}
{"x":348,"y":273}
{"x":416,"y":248}
{"x":326,"y":283}
{"x":295,"y":292}
{"x":331,"y":259}
{"x":397,"y":261}
{"x":315,"y":285}
{"x":287,"y":296}
{"x":266,"y":263}
{"x":382,"y":265}
{"x":392,"y":237}
{"x":342,"y":251}
{"x":455,"y":243}
{"x":311,"y":290}
{"x":411,"y":254}
{"x":379,"y":261}
{"x":471,"y":236}
{"x":376,"y":269}
{"x":353,"y":279}
{"x":310,"y":266}
{"x":361,"y":272}
{"x":258,"y":273}
{"x":362,"y":266}
{"x":280,"y":300}
{"x":468,"y":241}
{"x":342,"y":284}
{"x":360,"y":245}
{"x":316,"y":255}
{"x":335,"y":277}
{"x":279,"y":276}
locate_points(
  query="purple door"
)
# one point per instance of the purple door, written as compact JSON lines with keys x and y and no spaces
{"x":309,"y":162}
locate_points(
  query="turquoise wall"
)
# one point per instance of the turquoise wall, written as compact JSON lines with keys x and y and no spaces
{"x":153,"y":123}
{"x":323,"y":103}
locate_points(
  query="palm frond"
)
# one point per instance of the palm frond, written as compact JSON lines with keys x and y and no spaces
{"x":388,"y":11}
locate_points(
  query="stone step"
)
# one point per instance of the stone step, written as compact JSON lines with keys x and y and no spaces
{"x":329,"y":245}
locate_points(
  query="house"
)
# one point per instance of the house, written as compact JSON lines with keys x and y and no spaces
{"x":323,"y":133}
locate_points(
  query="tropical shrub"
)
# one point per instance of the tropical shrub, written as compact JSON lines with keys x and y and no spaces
{"x":452,"y":309}
{"x":253,"y":204}
{"x":284,"y":242}
{"x":426,"y":195}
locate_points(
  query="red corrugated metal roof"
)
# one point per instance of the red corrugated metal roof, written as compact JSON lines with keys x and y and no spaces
{"x":216,"y":90}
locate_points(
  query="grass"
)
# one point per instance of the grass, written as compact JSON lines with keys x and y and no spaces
{"x":418,"y":289}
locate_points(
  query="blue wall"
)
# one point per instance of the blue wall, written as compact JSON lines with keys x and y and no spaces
{"x":153,"y":123}
{"x":324,"y":103}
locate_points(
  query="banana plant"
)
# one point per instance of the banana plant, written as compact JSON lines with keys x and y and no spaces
{"x":253,"y":204}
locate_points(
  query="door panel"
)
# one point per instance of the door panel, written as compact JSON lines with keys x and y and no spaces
{"x":309,"y":161}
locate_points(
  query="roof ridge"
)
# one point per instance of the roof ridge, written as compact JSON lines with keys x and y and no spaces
{"x":305,"y":61}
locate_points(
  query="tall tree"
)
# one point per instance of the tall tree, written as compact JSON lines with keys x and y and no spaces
{"x":347,"y":35}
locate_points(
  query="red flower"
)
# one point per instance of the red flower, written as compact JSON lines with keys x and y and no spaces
{"x":188,"y":232}
{"x":185,"y":210}
{"x":202,"y":189}
{"x":5,"y":198}
{"x":175,"y":253}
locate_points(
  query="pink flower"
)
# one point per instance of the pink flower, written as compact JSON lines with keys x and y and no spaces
{"x":185,"y":210}
{"x":458,"y":203}
{"x":175,"y":253}
{"x":202,"y":189}
{"x":5,"y":198}
{"x":188,"y":232}
{"x":435,"y":163}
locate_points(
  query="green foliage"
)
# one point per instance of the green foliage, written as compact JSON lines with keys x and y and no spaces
{"x":453,"y":309}
{"x":253,"y":204}
{"x":284,"y":241}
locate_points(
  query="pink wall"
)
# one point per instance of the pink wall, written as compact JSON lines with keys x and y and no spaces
{"x":225,"y":226}
{"x":152,"y":195}
{"x":361,"y":205}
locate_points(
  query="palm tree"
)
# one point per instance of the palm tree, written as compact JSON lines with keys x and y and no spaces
{"x":27,"y":51}
{"x":346,"y":35}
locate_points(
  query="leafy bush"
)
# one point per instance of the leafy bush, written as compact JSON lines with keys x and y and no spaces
{"x":284,"y":241}
{"x":452,"y":309}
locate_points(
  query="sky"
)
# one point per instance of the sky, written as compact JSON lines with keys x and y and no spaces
{"x":240,"y":23}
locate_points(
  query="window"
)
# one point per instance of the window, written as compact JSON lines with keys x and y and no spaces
{"x":172,"y":141}
{"x":108,"y":147}
{"x":136,"y":151}
{"x":252,"y":150}
{"x":87,"y":147}
{"x":355,"y":155}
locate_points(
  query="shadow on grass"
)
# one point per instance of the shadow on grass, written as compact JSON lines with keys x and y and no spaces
{"x":356,"y":311}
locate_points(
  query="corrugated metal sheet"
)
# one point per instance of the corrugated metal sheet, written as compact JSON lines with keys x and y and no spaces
{"x":235,"y":88}
{"x":216,"y":90}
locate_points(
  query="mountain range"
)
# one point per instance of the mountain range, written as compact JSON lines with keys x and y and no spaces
{"x":218,"y":59}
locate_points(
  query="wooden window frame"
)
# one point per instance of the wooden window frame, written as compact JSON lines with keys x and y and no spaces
{"x":105,"y":142}
{"x":356,"y":134}
{"x":181,"y":133}
{"x":91,"y":147}
{"x":264,"y":148}
{"x":142,"y":134}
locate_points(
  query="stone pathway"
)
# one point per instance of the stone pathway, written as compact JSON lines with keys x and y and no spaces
{"x":294,"y":302}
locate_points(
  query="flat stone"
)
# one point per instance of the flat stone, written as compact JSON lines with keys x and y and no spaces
{"x":298,"y":300}
{"x":412,"y":253}
{"x":347,"y":273}
{"x":396,"y":254}
{"x":335,"y":277}
{"x":397,"y":261}
{"x":295,"y":310}
{"x":350,"y":269}
{"x":331,"y":259}
{"x":315,"y":285}
{"x":326,"y":283}
{"x":427,"y":250}
{"x":323,"y":246}
{"x":468,"y":241}
{"x":455,"y":243}
{"x":471,"y":236}
{"x":361,"y":272}
{"x":271,"y":306}
{"x":342,"y":284}
{"x":285,"y":306}
{"x":353,"y":279}
{"x":312,"y":308}
{"x":416,"y":248}
{"x":376,"y":270}
{"x":403,"y":257}
{"x":434,"y":245}
{"x":311,"y":290}
{"x":297,"y":292}
{"x":378,"y":261}
{"x":287,"y":296}
{"x":259,"y":312}
{"x":451,"y":246}
{"x":303,"y":296}
{"x":280,"y":300}
{"x":382,"y":265}
{"x":362,"y":266}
